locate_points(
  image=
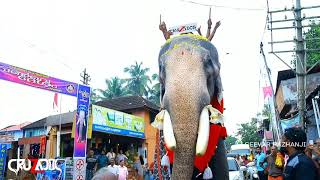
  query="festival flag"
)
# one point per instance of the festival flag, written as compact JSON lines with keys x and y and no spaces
{"x":267,"y":91}
{"x":55,"y":102}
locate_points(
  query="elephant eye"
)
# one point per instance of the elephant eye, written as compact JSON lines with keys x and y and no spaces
{"x":208,"y":66}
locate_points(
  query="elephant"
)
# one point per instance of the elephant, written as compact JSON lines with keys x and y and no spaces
{"x":189,"y":75}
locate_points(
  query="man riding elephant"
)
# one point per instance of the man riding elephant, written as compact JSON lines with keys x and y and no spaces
{"x":191,"y":119}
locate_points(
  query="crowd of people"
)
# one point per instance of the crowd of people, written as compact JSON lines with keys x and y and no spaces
{"x":114,"y":166}
{"x":293,"y":159}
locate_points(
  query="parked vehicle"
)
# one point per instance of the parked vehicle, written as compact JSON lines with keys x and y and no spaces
{"x":251,"y":172}
{"x":235,"y":172}
{"x":241,"y":149}
{"x":233,"y":155}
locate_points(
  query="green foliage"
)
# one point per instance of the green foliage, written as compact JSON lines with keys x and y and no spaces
{"x":154,"y":93}
{"x":138,"y":83}
{"x":313,"y":32}
{"x":249,"y":132}
{"x":94,"y":97}
{"x":230,"y":140}
{"x":115,"y":88}
{"x":314,"y":56}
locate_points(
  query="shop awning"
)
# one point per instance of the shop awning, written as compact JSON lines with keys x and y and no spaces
{"x":30,"y":140}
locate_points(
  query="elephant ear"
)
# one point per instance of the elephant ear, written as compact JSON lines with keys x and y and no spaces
{"x":162,"y":75}
{"x":212,"y":66}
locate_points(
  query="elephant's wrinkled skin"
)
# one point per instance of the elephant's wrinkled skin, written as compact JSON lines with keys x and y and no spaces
{"x":189,"y":78}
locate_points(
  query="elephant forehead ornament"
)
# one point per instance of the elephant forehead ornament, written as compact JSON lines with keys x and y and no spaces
{"x":210,"y":120}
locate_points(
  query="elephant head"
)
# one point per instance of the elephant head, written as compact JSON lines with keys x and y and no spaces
{"x":189,"y":74}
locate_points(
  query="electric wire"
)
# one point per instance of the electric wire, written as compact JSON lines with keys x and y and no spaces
{"x":220,"y":6}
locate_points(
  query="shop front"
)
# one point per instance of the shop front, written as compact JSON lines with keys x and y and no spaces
{"x":117,"y":131}
{"x":32,"y":147}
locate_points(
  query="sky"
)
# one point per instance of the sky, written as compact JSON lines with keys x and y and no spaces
{"x":60,"y":38}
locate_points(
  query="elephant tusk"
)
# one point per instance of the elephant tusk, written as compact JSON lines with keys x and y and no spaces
{"x":168,"y":134}
{"x":203,"y":133}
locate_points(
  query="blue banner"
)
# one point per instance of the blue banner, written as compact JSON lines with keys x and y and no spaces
{"x":55,"y":174}
{"x":117,"y":131}
{"x":81,"y":127}
{"x":288,"y":123}
{"x":3,"y":157}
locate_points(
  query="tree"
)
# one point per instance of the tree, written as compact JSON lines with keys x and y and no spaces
{"x":154,"y":93}
{"x":137,"y":84}
{"x":115,"y":88}
{"x":313,"y":32}
{"x":267,"y":117}
{"x":94,"y":97}
{"x":249,"y":132}
{"x":230,"y":140}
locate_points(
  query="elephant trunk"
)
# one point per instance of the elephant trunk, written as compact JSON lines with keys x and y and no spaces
{"x":185,"y":97}
{"x":185,"y":124}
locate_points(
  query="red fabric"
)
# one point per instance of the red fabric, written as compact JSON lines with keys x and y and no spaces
{"x":170,"y":154}
{"x":159,"y":155}
{"x":55,"y":100}
{"x":216,"y":132}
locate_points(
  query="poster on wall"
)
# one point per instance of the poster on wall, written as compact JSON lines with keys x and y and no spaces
{"x":69,"y":169}
{"x":54,"y":174}
{"x":80,"y":138}
{"x":37,"y":80}
{"x":3,"y":157}
{"x":288,"y":123}
{"x":115,"y":122}
{"x":79,"y":168}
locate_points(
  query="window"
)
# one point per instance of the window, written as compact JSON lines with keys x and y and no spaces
{"x":233,"y":166}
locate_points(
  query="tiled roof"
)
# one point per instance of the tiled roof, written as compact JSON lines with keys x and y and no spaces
{"x":15,"y":127}
{"x":128,"y":103}
{"x":37,"y":124}
{"x":289,"y":74}
{"x":54,"y":120}
{"x":66,"y":118}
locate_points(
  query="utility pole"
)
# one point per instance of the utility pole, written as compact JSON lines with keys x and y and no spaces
{"x":300,"y":50}
{"x":85,"y":77}
{"x":273,"y":104}
{"x":300,"y":65}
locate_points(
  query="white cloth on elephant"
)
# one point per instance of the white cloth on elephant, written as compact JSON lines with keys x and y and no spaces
{"x":215,"y":115}
{"x":158,"y":121}
{"x":207,"y":174}
{"x":165,"y":161}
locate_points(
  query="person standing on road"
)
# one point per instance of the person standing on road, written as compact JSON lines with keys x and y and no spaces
{"x":260,"y":158}
{"x":111,"y":155}
{"x":102,"y":160}
{"x":91,"y":165}
{"x":275,"y":170}
{"x":114,"y":169}
{"x":123,"y":171}
{"x":299,"y":166}
{"x":121,"y":157}
{"x":238,"y":159}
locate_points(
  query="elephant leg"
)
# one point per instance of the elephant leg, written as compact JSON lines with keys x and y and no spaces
{"x":219,"y":163}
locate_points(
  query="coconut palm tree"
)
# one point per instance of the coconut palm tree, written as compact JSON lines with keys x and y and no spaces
{"x":154,"y":93}
{"x":94,"y":97}
{"x":115,"y":88}
{"x":137,"y":84}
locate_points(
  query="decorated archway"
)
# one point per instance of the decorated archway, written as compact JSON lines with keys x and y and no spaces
{"x":37,"y":80}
